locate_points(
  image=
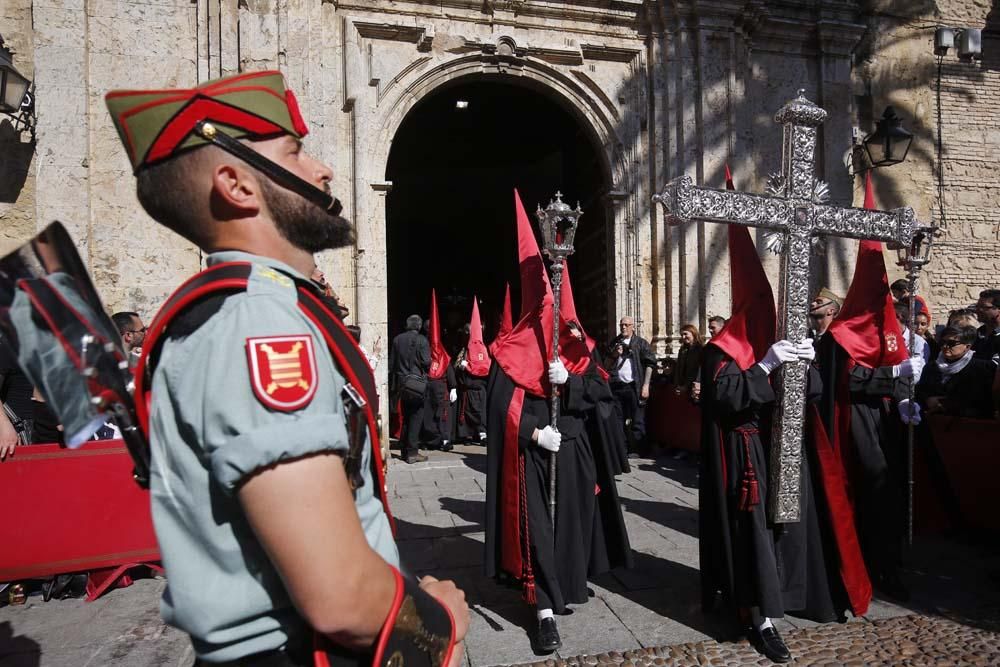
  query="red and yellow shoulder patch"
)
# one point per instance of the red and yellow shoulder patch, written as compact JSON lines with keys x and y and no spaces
{"x":283,"y":371}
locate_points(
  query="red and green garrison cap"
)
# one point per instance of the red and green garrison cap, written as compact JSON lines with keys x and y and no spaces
{"x":156,"y":125}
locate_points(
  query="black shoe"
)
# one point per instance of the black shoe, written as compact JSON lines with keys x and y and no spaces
{"x":415,"y":458}
{"x":447,"y":447}
{"x":770,"y":643}
{"x":547,"y":640}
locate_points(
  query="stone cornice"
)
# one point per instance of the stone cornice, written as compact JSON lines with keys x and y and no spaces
{"x":617,"y":13}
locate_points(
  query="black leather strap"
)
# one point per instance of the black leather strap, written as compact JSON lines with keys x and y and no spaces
{"x":275,"y":172}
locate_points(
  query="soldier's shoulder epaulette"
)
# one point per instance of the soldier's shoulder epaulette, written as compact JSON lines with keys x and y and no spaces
{"x":265,"y":280}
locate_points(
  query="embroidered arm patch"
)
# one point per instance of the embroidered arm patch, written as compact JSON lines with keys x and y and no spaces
{"x":283,"y":371}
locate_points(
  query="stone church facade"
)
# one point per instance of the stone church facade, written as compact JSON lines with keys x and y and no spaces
{"x":662,"y":88}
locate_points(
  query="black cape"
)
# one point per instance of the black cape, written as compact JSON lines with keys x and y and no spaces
{"x":607,"y":419}
{"x":590,"y":532}
{"x":437,"y":425}
{"x":871,"y":438}
{"x":470,"y":419}
{"x":789,"y":568}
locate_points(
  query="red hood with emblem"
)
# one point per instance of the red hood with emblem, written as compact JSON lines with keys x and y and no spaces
{"x":866,"y":326}
{"x":475,"y":351}
{"x":439,"y":356}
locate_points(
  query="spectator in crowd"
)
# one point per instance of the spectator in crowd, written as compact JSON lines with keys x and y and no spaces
{"x":686,"y":380}
{"x":901,"y":294}
{"x":45,"y":427}
{"x":920,"y":345}
{"x":959,"y":384}
{"x":133,"y":333}
{"x":409,"y":361}
{"x":963,"y":317}
{"x":16,"y":415}
{"x":715,"y":324}
{"x":924,"y":330}
{"x":630,"y":366}
{"x":987,"y":346}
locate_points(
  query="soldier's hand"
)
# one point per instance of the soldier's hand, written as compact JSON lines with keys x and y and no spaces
{"x":452,"y":597}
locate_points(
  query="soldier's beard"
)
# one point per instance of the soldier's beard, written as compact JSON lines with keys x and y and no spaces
{"x":304,"y":224}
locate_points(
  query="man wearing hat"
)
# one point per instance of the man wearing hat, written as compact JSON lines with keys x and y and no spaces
{"x":822,"y":310}
{"x":265,"y":482}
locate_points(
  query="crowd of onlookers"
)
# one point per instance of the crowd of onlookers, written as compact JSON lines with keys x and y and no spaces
{"x":26,"y":418}
{"x":960,"y":377}
{"x":961,"y":354}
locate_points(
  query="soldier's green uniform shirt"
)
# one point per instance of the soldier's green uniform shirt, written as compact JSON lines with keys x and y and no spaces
{"x":208,"y":432}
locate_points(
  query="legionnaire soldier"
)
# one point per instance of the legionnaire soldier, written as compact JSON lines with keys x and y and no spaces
{"x":265,"y":481}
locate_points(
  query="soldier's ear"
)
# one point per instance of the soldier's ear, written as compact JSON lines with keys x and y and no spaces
{"x":236,"y":192}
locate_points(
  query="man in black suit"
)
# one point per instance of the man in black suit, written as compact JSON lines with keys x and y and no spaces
{"x":409,"y":361}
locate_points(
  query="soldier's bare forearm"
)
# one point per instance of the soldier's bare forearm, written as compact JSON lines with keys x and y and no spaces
{"x":303,"y":514}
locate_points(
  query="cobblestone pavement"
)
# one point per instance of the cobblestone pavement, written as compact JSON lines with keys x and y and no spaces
{"x":905,"y":640}
{"x":439,"y":508}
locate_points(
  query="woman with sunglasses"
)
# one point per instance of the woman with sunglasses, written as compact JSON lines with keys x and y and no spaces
{"x":957,"y":384}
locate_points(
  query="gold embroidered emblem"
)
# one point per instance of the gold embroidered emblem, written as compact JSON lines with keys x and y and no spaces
{"x":286,"y":369}
{"x":890,"y":342}
{"x":274,"y":276}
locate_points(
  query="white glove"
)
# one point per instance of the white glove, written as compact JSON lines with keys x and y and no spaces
{"x":779,"y":353}
{"x":549,"y":438}
{"x":912,"y":367}
{"x":463,"y":364}
{"x":805,"y":349}
{"x":909,"y":411}
{"x":557,"y":372}
{"x":453,"y":395}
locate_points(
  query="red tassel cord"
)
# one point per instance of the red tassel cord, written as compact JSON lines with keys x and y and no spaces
{"x":527,"y":573}
{"x":749,"y":488}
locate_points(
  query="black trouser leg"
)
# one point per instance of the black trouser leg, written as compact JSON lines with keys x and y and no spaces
{"x":413,"y":416}
{"x":638,"y":422}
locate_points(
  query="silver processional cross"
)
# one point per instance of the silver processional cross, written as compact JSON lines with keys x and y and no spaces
{"x":795,"y":214}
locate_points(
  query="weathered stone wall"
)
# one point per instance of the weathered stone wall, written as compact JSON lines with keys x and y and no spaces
{"x":897,"y":66}
{"x":666,"y":89}
{"x":18,"y":163}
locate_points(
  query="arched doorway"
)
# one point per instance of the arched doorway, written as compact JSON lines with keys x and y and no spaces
{"x":454,"y":162}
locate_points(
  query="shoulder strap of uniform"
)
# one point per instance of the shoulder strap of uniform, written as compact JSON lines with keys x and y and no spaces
{"x":231,"y":278}
{"x":354,"y":366}
{"x":228,"y":277}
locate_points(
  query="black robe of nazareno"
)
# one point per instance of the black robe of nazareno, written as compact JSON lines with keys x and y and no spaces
{"x":437,"y":424}
{"x":470,"y":419}
{"x":871,"y":446}
{"x":790,"y":568}
{"x":590,"y":532}
{"x":608,"y":420}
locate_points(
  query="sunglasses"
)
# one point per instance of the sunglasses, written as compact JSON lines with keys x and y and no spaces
{"x":948,"y":344}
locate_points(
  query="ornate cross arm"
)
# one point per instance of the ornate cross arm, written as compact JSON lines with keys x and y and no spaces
{"x":895,"y":227}
{"x":683,"y":202}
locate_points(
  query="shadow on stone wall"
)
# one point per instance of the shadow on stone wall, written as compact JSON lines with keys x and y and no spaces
{"x":15,"y":162}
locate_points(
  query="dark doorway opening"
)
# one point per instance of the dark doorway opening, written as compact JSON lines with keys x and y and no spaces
{"x":450,"y":213}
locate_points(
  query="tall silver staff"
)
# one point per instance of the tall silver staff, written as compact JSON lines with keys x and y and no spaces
{"x":558,"y":224}
{"x":913,"y":258}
